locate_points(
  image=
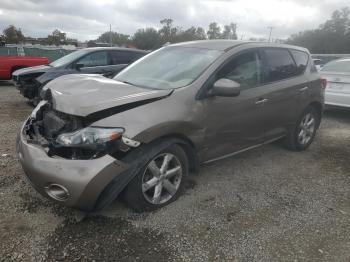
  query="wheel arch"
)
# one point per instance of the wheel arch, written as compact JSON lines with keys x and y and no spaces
{"x":319,"y":109}
{"x":187,"y":145}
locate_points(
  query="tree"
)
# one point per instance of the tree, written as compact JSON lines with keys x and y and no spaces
{"x":147,"y":39}
{"x":339,"y":23}
{"x":331,"y":37}
{"x":230,"y":31}
{"x":13,"y":35}
{"x":168,"y":32}
{"x":200,"y":33}
{"x":214,"y":31}
{"x":57,"y":38}
{"x":190,"y":34}
{"x":117,"y":39}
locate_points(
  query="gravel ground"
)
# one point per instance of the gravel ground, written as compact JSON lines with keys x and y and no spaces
{"x":268,"y":204}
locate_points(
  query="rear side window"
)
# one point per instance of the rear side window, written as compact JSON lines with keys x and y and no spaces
{"x":124,"y":57}
{"x":301,"y":58}
{"x":280,"y":64}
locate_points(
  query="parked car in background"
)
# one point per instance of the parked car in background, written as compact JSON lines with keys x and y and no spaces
{"x":337,"y":74}
{"x":9,"y":64}
{"x":318,"y":63}
{"x":106,"y":61}
{"x":141,"y":133}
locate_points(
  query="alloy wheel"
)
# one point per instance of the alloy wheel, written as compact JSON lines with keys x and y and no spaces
{"x":306,"y":129}
{"x":161,"y":178}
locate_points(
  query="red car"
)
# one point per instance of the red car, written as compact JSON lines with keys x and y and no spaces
{"x":9,"y":64}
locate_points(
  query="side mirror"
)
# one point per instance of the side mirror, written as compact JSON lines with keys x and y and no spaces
{"x":78,"y":66}
{"x":225,"y":87}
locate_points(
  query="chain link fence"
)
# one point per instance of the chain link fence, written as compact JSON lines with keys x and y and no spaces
{"x":51,"y":53}
{"x":8,"y":51}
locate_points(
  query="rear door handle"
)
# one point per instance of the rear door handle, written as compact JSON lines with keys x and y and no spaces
{"x":261,"y":101}
{"x":303,"y":89}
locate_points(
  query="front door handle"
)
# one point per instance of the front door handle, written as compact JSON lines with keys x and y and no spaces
{"x":261,"y":101}
{"x":303,"y":89}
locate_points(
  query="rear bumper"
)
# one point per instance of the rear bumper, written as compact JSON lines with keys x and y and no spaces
{"x":83,"y":179}
{"x":337,"y":99}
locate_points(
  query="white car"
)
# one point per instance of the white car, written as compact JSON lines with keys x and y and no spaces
{"x":337,"y":74}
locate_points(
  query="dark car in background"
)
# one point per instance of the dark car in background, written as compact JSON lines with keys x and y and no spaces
{"x":106,"y":61}
{"x":140,"y":133}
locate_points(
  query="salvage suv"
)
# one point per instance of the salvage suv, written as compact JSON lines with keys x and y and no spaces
{"x":142,"y":133}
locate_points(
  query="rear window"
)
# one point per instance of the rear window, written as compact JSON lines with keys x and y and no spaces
{"x":280,"y":64}
{"x":301,"y":58}
{"x":337,"y":66}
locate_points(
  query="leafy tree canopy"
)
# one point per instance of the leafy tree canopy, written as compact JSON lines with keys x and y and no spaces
{"x":13,"y":35}
{"x":330,"y":38}
{"x":117,"y":39}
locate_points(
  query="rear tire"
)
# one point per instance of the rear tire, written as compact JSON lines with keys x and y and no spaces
{"x":304,"y":131}
{"x":160,"y":182}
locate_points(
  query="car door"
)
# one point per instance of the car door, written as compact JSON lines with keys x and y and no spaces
{"x":236,"y":123}
{"x":95,"y":63}
{"x":284,"y":87}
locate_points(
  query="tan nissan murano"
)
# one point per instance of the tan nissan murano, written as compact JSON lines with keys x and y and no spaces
{"x":141,"y":134}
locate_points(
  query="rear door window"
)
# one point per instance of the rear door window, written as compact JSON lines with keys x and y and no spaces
{"x":301,"y":58}
{"x":123,"y":57}
{"x":280,"y":64}
{"x":245,"y":69}
{"x":94,"y":59}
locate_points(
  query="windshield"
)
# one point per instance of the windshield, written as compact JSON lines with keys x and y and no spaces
{"x":338,"y":66}
{"x":67,"y":59}
{"x":169,"y":67}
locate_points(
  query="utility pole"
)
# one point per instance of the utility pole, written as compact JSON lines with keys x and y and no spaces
{"x":110,"y":34}
{"x":270,"y":27}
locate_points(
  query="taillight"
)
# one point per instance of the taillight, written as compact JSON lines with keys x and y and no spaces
{"x":323,"y":83}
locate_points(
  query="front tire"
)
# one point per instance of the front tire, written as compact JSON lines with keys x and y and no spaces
{"x":304,"y":131}
{"x":160,"y":182}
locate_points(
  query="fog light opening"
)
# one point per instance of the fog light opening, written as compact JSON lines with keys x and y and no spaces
{"x":57,"y":192}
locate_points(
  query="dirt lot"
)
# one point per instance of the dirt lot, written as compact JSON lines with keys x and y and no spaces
{"x":268,"y":204}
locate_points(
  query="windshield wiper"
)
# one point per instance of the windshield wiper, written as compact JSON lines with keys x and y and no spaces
{"x":126,"y":82}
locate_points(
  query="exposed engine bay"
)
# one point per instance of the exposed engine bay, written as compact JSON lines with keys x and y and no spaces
{"x":46,"y":124}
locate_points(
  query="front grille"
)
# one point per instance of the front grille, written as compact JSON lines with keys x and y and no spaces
{"x":15,"y":78}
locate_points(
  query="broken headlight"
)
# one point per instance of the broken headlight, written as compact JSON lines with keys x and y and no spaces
{"x":90,"y":137}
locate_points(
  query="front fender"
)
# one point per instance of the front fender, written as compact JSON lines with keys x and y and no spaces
{"x":181,"y":128}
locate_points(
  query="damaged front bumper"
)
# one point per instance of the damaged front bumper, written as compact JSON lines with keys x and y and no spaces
{"x":73,"y":183}
{"x":28,"y":87}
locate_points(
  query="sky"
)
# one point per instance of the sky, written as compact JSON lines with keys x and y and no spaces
{"x":87,"y":19}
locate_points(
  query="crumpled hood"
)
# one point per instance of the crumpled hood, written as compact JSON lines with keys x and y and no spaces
{"x":31,"y":70}
{"x":83,"y":95}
